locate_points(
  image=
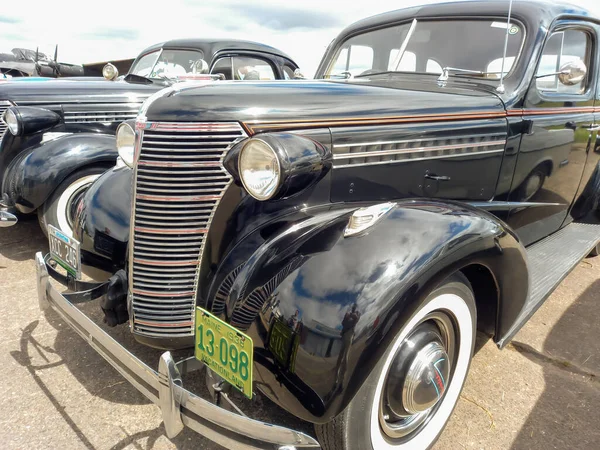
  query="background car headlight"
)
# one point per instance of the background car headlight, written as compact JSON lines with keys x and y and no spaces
{"x":110,"y":72}
{"x":260,"y":170}
{"x":126,"y":143}
{"x":11,"y":120}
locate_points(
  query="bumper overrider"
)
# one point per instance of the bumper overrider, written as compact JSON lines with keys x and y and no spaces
{"x":180,"y":408}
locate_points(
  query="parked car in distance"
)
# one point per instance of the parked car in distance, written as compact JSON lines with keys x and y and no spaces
{"x":335,"y":244}
{"x":22,"y":62}
{"x":57,"y":136}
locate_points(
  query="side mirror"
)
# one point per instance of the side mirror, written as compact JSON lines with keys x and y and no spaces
{"x":200,"y":66}
{"x":572,"y":73}
{"x":298,"y":75}
{"x":110,"y":72}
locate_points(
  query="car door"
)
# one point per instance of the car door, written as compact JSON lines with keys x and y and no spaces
{"x":587,"y":198}
{"x":553,"y":152}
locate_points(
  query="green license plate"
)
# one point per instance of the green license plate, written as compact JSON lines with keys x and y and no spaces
{"x":65,"y":251}
{"x":225,"y":350}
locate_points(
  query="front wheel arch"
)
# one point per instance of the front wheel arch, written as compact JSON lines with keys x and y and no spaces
{"x":487,"y":297}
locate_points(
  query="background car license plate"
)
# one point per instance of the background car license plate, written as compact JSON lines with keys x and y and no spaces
{"x":65,"y":251}
{"x":224,"y":349}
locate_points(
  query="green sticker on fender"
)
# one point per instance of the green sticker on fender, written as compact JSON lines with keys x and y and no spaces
{"x":225,"y":350}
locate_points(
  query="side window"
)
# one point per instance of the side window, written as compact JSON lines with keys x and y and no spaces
{"x":247,"y":68}
{"x":361,"y":59}
{"x":562,"y":47}
{"x":355,"y":59}
{"x":223,"y":66}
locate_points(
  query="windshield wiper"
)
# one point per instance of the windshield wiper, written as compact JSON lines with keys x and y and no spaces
{"x":170,"y":81}
{"x":411,"y":30}
{"x":446,"y":73}
{"x":383,"y":72}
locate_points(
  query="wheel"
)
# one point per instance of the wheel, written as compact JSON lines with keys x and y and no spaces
{"x":595,"y":251}
{"x":59,"y":210}
{"x":408,"y":398}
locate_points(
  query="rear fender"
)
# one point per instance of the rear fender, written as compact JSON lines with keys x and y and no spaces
{"x":37,"y":172}
{"x":303,"y":280}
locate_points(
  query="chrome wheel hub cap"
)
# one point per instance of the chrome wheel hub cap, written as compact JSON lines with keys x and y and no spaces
{"x":426,"y":379}
{"x":418,"y":377}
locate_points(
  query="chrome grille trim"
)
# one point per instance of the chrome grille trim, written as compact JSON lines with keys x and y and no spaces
{"x":76,"y":112}
{"x":404,"y":151}
{"x":103,"y":117}
{"x":179,"y":180}
{"x":4,"y":105}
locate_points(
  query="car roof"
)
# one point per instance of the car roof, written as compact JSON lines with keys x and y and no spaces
{"x":216,"y":45}
{"x":534,"y":12}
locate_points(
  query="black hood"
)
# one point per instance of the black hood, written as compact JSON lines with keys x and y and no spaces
{"x":291,"y":102}
{"x":57,"y":91}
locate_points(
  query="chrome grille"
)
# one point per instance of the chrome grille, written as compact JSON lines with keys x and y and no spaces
{"x":4,"y":105}
{"x":179,"y":181}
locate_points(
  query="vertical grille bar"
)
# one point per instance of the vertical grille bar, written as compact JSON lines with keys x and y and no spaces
{"x":4,"y":105}
{"x":178,"y":184}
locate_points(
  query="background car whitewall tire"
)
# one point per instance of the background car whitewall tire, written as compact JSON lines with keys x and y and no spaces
{"x":60,"y":207}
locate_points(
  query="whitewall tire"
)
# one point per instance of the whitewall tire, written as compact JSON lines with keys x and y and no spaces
{"x":386,"y":413}
{"x":60,"y":206}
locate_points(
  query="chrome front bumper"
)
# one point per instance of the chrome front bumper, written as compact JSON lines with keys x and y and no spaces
{"x":7,"y":219}
{"x":164,"y":388}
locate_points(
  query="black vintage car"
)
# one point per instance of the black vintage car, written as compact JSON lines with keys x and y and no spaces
{"x":335,"y":244}
{"x":57,"y":136}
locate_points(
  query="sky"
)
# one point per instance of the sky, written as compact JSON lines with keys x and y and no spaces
{"x":119,"y":30}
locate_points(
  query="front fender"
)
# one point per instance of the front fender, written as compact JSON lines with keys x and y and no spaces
{"x":38,"y":170}
{"x":299,"y":284}
{"x":102,"y":225}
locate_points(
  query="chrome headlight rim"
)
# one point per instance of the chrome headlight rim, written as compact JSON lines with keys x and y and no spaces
{"x":13,"y":121}
{"x":110,"y":72}
{"x":278,"y":181}
{"x":126,"y":143}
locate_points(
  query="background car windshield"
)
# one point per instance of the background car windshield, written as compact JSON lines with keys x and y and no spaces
{"x":475,"y":45}
{"x":170,"y":63}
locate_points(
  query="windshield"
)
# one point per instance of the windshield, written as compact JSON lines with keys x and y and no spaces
{"x":170,"y":63}
{"x":430,"y":46}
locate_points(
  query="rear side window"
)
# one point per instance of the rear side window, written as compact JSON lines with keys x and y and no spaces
{"x":563,"y":47}
{"x":244,"y":68}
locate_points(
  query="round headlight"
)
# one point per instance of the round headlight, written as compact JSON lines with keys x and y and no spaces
{"x":126,"y":143}
{"x":110,"y":72}
{"x":11,"y":120}
{"x":260,"y":170}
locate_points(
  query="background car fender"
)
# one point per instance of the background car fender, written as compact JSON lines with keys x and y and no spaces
{"x":309,"y":276}
{"x":34,"y":174}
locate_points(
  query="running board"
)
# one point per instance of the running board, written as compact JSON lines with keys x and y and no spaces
{"x":550,"y":261}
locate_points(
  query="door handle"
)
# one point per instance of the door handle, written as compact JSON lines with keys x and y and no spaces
{"x":435,"y":177}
